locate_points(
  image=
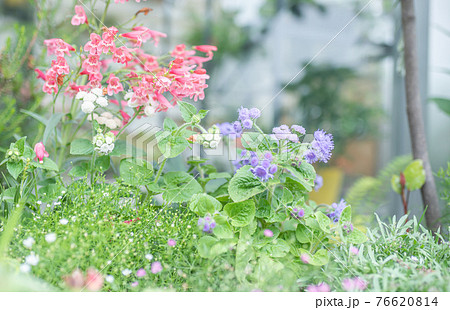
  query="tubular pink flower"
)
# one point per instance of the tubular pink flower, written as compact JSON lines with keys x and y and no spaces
{"x":122,"y":55}
{"x":114,"y":85}
{"x":93,"y":46}
{"x":79,"y":17}
{"x":58,"y":47}
{"x":94,"y":280}
{"x":40,"y":151}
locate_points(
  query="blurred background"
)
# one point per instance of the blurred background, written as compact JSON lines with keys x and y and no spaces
{"x":330,"y":64}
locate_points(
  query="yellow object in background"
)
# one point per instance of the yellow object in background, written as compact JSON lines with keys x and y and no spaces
{"x":332,"y":186}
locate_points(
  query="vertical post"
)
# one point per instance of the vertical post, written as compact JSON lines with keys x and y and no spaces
{"x":415,"y":115}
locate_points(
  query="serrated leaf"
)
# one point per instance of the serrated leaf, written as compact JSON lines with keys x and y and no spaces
{"x":356,"y":237}
{"x":244,"y":185}
{"x":169,"y":124}
{"x":102,"y":163}
{"x":79,"y":171}
{"x":14,"y":168}
{"x":395,"y":184}
{"x":223,"y":229}
{"x":346,"y":216}
{"x":181,"y":186}
{"x":187,"y":111}
{"x":202,"y":204}
{"x":324,"y":221}
{"x":241,"y":213}
{"x":135,"y":172}
{"x":303,"y":234}
{"x":210,"y":247}
{"x":81,"y":147}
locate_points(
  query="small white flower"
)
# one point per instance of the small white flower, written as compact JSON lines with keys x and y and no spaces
{"x":208,"y":136}
{"x":213,"y":144}
{"x":126,"y":272}
{"x":81,"y":95}
{"x":109,"y":278}
{"x":109,"y":139}
{"x":97,"y":91}
{"x":128,"y":95}
{"x":28,"y":243}
{"x":87,"y":107}
{"x":104,"y":149}
{"x":32,"y":259}
{"x":63,"y":221}
{"x":25,"y":268}
{"x":90,"y":97}
{"x":149,"y":256}
{"x":51,"y":237}
{"x":110,"y":147}
{"x":39,"y":202}
{"x":414,"y":259}
{"x":111,"y":124}
{"x":149,"y":110}
{"x":102,"y":101}
{"x":99,"y":142}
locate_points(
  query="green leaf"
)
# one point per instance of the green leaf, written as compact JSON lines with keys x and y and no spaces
{"x":169,"y":124}
{"x":286,"y":197}
{"x":324,"y":221}
{"x":50,"y":126}
{"x":135,"y":172}
{"x":303,"y":176}
{"x":219,"y":175}
{"x":14,"y":168}
{"x":210,"y":247}
{"x":263,"y":209}
{"x":356,"y":237}
{"x":346,"y":216}
{"x":320,"y":258}
{"x":279,"y":248}
{"x":223,"y":229}
{"x":171,"y":146}
{"x":202,"y":113}
{"x":187,"y":111}
{"x":241,"y":213}
{"x":81,"y":147}
{"x":303,"y":234}
{"x":20,"y":144}
{"x":79,"y":171}
{"x":244,"y":185}
{"x":49,"y":164}
{"x":443,"y":104}
{"x":202,"y":204}
{"x":29,"y":153}
{"x":181,"y":186}
{"x":102,"y":163}
{"x":120,"y":148}
{"x":395,"y":184}
{"x":252,"y":140}
{"x":414,"y":175}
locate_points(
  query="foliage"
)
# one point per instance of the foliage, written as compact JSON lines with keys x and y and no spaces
{"x":444,"y":176}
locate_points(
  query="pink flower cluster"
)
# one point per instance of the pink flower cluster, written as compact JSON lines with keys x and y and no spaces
{"x":59,"y":67}
{"x":123,"y":1}
{"x":80,"y":16}
{"x":93,"y":281}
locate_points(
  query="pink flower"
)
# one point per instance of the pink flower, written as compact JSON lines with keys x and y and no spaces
{"x":321,"y":287}
{"x":156,"y":267}
{"x":354,"y":284}
{"x":206,"y":48}
{"x":268,"y":233}
{"x":40,"y":74}
{"x":354,"y":250}
{"x":40,"y":151}
{"x":134,"y":284}
{"x":79,"y":17}
{"x":60,"y":66}
{"x":305,"y":258}
{"x":114,"y":85}
{"x":122,"y":55}
{"x":108,"y":37}
{"x":125,"y":117}
{"x":171,"y":242}
{"x":58,"y":47}
{"x":141,"y":273}
{"x":93,"y":46}
{"x":94,"y":280}
{"x":75,"y":280}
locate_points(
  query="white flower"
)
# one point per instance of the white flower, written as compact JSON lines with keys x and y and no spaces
{"x":414,"y":259}
{"x":102,"y":101}
{"x":25,"y":268}
{"x":149,"y":110}
{"x":208,"y":136}
{"x":97,"y":91}
{"x":109,"y":278}
{"x":63,"y":221}
{"x":51,"y":237}
{"x":87,"y":107}
{"x":90,"y":97}
{"x":32,"y":259}
{"x":28,"y":243}
{"x":99,"y":142}
{"x":213,"y":144}
{"x":109,"y":139}
{"x":80,"y":95}
{"x":126,"y":272}
{"x":111,"y":124}
{"x":104,"y":148}
{"x":128,"y":95}
{"x":149,"y":256}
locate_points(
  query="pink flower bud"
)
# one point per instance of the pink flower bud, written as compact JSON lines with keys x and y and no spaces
{"x":40,"y":151}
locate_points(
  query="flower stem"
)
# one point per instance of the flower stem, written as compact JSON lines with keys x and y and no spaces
{"x":160,"y":170}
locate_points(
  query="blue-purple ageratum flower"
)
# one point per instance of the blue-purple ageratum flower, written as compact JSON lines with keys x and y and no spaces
{"x":336,"y":211}
{"x":247,"y":116}
{"x":318,"y":182}
{"x":321,"y":147}
{"x":206,"y":224}
{"x":263,"y":168}
{"x":298,"y":213}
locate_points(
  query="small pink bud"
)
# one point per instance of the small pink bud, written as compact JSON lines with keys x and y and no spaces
{"x":40,"y":151}
{"x":171,"y":242}
{"x":268,"y":233}
{"x":305,"y":258}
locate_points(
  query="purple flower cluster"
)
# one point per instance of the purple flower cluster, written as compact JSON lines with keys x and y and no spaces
{"x":337,"y":210}
{"x":354,"y":284}
{"x":298,"y":213}
{"x":321,"y":287}
{"x":347,"y":227}
{"x":206,"y":224}
{"x":263,"y":168}
{"x":246,"y":121}
{"x":318,"y":182}
{"x":284,"y":133}
{"x":321,"y":147}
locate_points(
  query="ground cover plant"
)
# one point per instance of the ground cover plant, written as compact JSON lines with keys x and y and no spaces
{"x":86,"y":210}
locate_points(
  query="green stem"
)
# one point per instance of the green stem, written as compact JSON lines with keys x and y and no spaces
{"x":160,"y":170}
{"x":127,"y":124}
{"x":105,"y":11}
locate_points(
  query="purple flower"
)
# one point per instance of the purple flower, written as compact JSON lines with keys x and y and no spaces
{"x":311,"y":157}
{"x":321,"y":287}
{"x":347,"y":227}
{"x":134,"y":284}
{"x":335,"y":214}
{"x":206,"y":224}
{"x":237,"y":128}
{"x":171,"y":242}
{"x":354,"y":284}
{"x":260,"y":172}
{"x":282,"y":132}
{"x":254,"y":161}
{"x":141,"y":273}
{"x":244,"y":113}
{"x":247,"y":123}
{"x":305,"y":258}
{"x":268,"y":156}
{"x":321,"y":146}
{"x":268,"y":233}
{"x":318,"y":182}
{"x":298,"y":129}
{"x":354,"y":250}
{"x":254,"y":113}
{"x":301,"y":213}
{"x":156,"y":267}
{"x":226,"y":128}
{"x":273,"y":169}
{"x":265,"y":163}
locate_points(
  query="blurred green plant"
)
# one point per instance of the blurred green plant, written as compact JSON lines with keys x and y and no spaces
{"x":325,"y":102}
{"x":444,"y":176}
